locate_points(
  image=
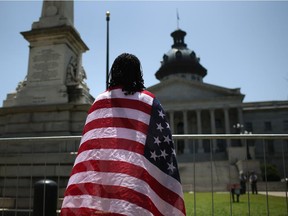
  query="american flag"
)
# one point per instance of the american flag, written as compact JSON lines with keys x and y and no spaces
{"x":126,"y":162}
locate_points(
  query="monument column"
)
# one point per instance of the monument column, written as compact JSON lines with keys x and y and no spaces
{"x":55,"y":72}
{"x":53,"y":99}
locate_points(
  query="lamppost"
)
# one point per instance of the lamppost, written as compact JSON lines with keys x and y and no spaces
{"x":247,"y":146}
{"x":239,"y":127}
{"x":107,"y":49}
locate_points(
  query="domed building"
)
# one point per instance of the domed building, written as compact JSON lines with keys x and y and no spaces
{"x":193,"y":106}
{"x":196,"y":107}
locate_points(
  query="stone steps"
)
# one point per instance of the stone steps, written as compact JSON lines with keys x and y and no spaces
{"x":37,"y":158}
{"x":220,"y":172}
{"x":35,"y":170}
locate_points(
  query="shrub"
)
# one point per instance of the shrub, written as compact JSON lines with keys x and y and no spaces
{"x":272,"y":172}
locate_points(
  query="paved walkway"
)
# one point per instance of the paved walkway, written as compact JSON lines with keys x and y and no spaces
{"x":274,"y":193}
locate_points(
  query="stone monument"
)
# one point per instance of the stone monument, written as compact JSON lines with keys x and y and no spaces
{"x":55,"y":71}
{"x":46,"y":112}
{"x":53,"y":99}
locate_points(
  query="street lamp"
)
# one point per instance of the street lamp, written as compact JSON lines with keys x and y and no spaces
{"x":107,"y":49}
{"x":239,"y":127}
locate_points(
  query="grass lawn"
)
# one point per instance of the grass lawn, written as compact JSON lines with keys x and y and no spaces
{"x":223,"y":207}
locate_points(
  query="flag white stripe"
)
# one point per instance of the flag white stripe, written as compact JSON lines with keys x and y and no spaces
{"x":117,"y":93}
{"x":133,"y":158}
{"x":119,"y":113}
{"x":104,"y":204}
{"x":116,"y":179}
{"x":112,"y":132}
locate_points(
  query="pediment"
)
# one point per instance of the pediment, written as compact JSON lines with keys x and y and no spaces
{"x":181,"y":90}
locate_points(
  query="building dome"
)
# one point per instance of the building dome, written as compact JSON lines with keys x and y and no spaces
{"x":180,"y":60}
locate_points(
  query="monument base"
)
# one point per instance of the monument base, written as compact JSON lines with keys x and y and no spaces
{"x":46,"y":120}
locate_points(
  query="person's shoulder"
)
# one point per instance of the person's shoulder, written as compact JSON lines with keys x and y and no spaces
{"x":148,"y":93}
{"x":105,"y":95}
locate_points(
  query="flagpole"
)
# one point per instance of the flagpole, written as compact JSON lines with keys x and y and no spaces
{"x":107,"y":49}
{"x":177,"y":18}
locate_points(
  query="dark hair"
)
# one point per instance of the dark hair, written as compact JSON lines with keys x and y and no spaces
{"x":126,"y":72}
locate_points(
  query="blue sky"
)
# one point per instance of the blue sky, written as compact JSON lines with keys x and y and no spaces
{"x":242,"y":44}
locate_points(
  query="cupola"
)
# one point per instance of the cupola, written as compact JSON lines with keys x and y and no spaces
{"x":180,"y":61}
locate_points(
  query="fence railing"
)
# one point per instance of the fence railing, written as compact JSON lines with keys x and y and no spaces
{"x":207,"y":163}
{"x":265,"y":154}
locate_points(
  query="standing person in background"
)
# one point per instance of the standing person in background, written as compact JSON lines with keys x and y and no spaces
{"x":235,"y":190}
{"x":253,"y":182}
{"x":126,"y":163}
{"x":243,"y":180}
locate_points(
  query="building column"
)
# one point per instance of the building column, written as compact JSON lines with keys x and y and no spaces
{"x":212,"y":121}
{"x":240,"y":115}
{"x":240,"y":120}
{"x":227,"y":125}
{"x":213,"y":128}
{"x":185,"y":121}
{"x":227,"y":121}
{"x":199,"y":131}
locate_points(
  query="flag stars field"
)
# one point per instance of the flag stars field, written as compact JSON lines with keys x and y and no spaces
{"x":163,"y":154}
{"x":159,"y":127}
{"x":161,"y":114}
{"x":154,"y":155}
{"x":167,"y":139}
{"x":157,"y":141}
{"x":171,"y":167}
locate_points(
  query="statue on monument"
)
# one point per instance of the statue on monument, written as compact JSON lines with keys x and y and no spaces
{"x":75,"y":74}
{"x":21,"y":84}
{"x":72,"y":72}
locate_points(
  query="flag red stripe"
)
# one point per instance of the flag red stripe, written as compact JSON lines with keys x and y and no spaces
{"x":112,"y":143}
{"x":116,"y":122}
{"x":85,"y":212}
{"x":132,"y":170}
{"x":148,"y":93}
{"x":114,"y":192}
{"x":121,"y":102}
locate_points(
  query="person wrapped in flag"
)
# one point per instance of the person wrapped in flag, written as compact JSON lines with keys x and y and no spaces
{"x":126,"y":162}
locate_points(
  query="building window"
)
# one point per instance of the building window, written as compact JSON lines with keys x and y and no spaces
{"x":249,"y":126}
{"x":218,"y":123}
{"x":285,"y":125}
{"x":270,"y":147}
{"x":268,"y":126}
{"x":178,"y":54}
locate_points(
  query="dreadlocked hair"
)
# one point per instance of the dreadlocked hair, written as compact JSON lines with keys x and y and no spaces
{"x":126,"y":72}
